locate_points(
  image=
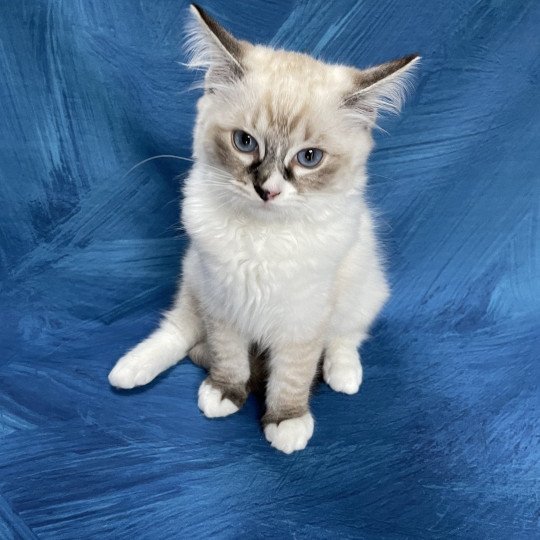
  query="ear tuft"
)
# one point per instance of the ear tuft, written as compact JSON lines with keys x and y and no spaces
{"x":212,"y":49}
{"x":381,"y":88}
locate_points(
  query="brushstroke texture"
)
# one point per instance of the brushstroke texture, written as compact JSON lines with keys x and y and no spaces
{"x":443,"y":439}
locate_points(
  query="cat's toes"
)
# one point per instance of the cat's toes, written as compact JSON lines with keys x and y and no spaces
{"x":343,"y":377}
{"x":290,"y":435}
{"x":212,"y":403}
{"x":129,"y":374}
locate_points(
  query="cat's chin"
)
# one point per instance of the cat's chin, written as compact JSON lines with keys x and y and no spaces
{"x":245,"y":203}
{"x":271,"y":210}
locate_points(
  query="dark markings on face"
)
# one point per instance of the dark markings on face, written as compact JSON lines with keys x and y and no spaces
{"x":282,"y":124}
{"x":223,"y":151}
{"x":317,"y":179}
{"x":226,"y":157}
{"x":288,"y":174}
{"x":261,"y":170}
{"x":258,"y":172}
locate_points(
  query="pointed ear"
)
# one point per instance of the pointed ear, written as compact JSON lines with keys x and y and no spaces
{"x":381,"y":88}
{"x":211,"y":48}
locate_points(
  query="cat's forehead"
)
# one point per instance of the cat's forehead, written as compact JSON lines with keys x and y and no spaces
{"x":278,"y":64}
{"x":291,"y":92}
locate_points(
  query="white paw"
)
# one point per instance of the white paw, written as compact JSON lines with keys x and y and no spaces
{"x":212,"y":404}
{"x":343,"y":375}
{"x":131,"y":371}
{"x":290,"y":435}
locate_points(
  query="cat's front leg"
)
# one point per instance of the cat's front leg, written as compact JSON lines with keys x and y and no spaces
{"x":288,"y":423}
{"x":225,"y":389}
{"x":178,"y":331}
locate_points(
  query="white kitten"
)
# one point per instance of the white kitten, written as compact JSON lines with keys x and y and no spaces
{"x":283,"y":268}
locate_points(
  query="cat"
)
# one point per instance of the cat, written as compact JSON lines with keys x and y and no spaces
{"x":283,"y":263}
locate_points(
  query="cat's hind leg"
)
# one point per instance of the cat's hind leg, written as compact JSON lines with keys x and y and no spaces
{"x":178,"y":331}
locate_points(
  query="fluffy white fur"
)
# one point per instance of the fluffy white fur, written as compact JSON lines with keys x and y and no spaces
{"x":298,"y":275}
{"x":212,"y":403}
{"x":290,"y":435}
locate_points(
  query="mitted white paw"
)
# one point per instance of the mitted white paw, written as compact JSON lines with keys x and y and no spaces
{"x":343,"y":374}
{"x":211,"y":403}
{"x":131,"y":371}
{"x":290,"y":435}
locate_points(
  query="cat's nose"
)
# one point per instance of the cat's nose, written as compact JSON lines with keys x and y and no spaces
{"x":265,"y":194}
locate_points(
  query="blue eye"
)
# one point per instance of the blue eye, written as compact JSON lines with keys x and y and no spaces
{"x":244,"y":141}
{"x":310,"y":157}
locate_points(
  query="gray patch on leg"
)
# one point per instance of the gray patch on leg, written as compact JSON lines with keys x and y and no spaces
{"x":237,"y":393}
{"x":286,"y":413}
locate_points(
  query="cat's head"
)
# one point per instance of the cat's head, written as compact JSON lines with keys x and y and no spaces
{"x":276,"y":128}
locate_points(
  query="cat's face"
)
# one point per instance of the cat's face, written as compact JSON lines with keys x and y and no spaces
{"x":276,"y":129}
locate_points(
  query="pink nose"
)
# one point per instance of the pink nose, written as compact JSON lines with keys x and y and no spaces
{"x":265,"y":194}
{"x":273,"y":194}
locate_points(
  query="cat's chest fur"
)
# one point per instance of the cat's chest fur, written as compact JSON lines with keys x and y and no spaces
{"x":267,"y":278}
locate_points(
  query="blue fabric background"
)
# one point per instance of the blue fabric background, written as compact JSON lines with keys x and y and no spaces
{"x":443,"y":439}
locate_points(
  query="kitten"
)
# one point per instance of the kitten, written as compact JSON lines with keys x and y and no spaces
{"x":283,"y":259}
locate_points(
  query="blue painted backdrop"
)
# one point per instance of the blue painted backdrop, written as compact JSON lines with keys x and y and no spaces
{"x":442,"y":440}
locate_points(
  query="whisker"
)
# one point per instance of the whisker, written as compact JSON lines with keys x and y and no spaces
{"x":169,"y":156}
{"x":216,"y":170}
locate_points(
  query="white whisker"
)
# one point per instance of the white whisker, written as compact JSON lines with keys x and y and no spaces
{"x":162,"y":156}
